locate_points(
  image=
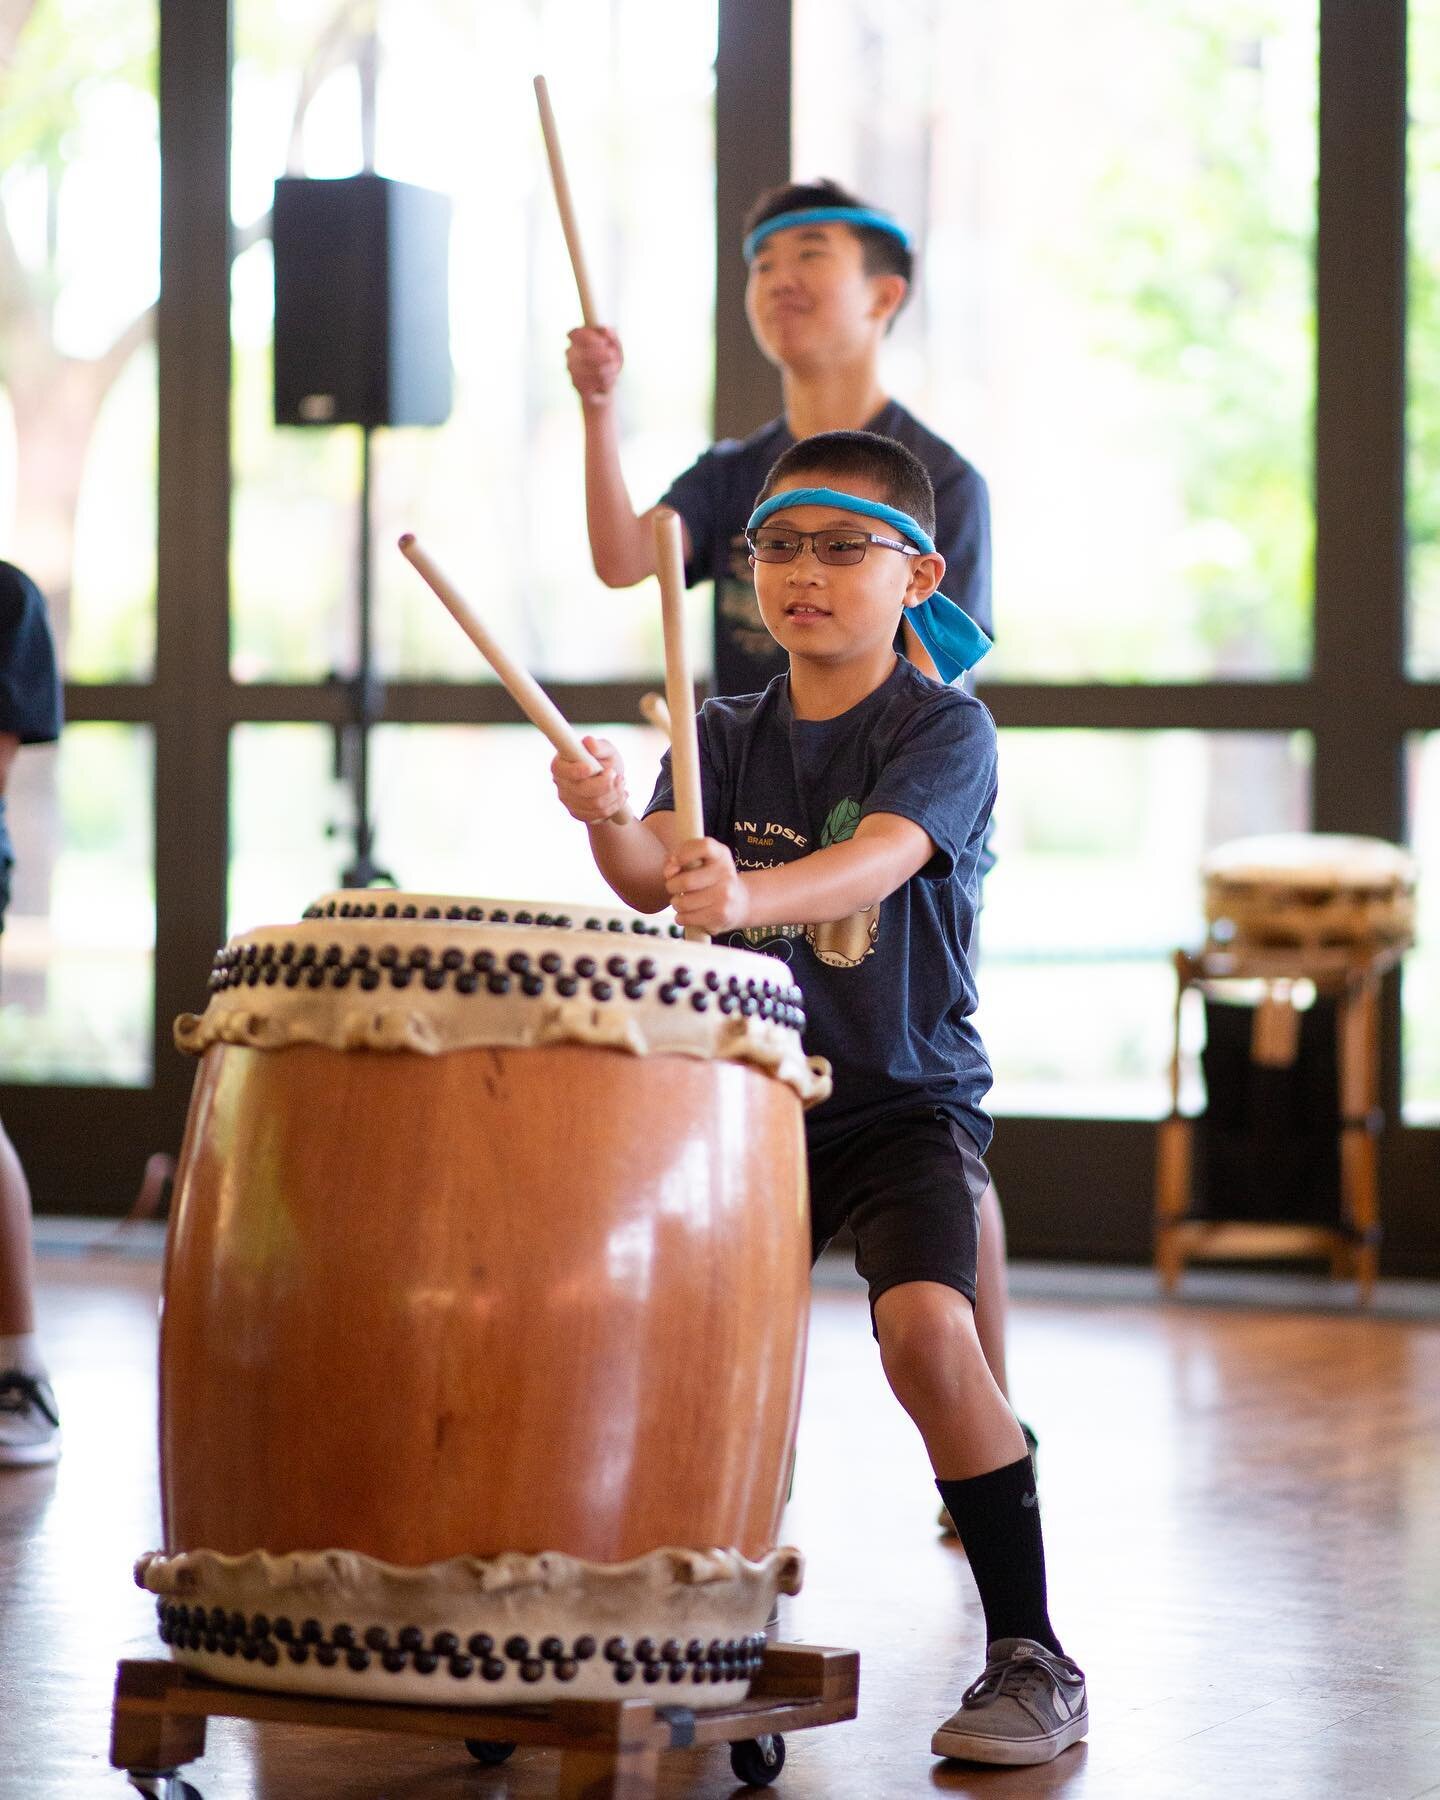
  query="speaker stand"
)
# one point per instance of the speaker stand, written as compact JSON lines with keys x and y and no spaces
{"x":367,"y":695}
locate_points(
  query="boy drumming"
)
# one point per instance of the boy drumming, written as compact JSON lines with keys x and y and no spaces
{"x":827,"y":277}
{"x":881,"y":781}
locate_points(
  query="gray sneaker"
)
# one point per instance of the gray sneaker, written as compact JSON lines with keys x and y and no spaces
{"x":1027,"y":1707}
{"x":29,"y":1420}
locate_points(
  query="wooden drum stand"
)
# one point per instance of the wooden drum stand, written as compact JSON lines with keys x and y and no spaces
{"x":1336,"y":912}
{"x":609,"y":1749}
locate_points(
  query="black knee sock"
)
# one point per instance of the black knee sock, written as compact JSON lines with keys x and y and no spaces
{"x":998,"y":1519}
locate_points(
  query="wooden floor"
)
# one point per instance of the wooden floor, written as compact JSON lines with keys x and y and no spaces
{"x":1242,"y":1509}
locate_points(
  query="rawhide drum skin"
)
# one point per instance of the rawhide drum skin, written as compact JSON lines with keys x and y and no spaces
{"x":484,"y":1307}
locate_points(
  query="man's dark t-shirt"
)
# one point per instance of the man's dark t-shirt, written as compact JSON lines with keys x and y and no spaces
{"x":29,"y":685}
{"x":29,"y":681}
{"x":889,"y":992}
{"x":716,"y":495}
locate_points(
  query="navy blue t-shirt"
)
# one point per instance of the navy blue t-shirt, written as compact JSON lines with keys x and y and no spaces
{"x":889,"y":992}
{"x":716,"y":496}
{"x":29,"y":681}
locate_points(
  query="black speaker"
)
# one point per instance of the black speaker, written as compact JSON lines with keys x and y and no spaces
{"x":362,"y":316}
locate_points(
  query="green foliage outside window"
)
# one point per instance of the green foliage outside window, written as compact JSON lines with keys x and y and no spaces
{"x":1200,"y":276}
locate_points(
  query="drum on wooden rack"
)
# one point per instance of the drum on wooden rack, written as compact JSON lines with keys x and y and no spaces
{"x":1309,"y":891}
{"x":1283,"y":1162}
{"x":484,"y":1307}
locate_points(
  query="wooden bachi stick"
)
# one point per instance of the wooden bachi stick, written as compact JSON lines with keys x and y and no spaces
{"x":569,"y":224}
{"x":679,"y":685}
{"x":526,"y":691}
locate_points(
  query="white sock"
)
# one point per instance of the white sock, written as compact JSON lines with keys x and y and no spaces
{"x":22,"y":1353}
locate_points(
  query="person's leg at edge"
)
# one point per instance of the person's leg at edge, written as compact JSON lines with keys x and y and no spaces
{"x":17,"y":1256}
{"x":29,"y":1427}
{"x":1030,"y":1702}
{"x":992,"y":1287}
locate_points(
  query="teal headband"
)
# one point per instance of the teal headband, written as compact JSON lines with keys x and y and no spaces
{"x":864,"y":216}
{"x":955,"y":642}
{"x":873,"y":509}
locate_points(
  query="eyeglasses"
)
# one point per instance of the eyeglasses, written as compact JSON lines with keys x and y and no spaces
{"x":837,"y":546}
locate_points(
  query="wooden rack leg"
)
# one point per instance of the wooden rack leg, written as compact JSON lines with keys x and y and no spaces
{"x":1172,"y":1154}
{"x":1359,"y":1176}
{"x":1172,"y":1196}
{"x":143,"y":1737}
{"x":1360,"y":1117}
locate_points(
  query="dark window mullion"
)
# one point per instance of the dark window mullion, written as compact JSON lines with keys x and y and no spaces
{"x":193,"y":525}
{"x":1420,"y":706}
{"x":1360,"y":279}
{"x":1239,"y":706}
{"x":752,"y":152}
{"x":434,"y":703}
{"x":1095,"y":706}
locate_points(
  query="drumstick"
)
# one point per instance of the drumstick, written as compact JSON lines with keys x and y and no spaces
{"x":569,"y":224}
{"x":655,"y":712}
{"x":679,"y":688}
{"x":524,"y":689}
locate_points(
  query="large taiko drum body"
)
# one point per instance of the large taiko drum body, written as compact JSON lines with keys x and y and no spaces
{"x":484,"y":1307}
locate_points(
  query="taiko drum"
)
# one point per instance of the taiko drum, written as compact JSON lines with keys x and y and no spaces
{"x":484,"y":1305}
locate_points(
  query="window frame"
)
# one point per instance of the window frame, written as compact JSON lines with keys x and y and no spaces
{"x":85,"y":1146}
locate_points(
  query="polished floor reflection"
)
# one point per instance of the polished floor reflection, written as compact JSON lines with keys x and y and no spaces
{"x":1242,"y":1509}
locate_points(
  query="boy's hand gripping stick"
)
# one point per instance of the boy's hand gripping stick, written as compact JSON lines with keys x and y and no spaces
{"x":568,"y":222}
{"x":527,"y":693}
{"x":679,"y":687}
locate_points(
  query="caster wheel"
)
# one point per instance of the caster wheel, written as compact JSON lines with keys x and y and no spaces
{"x":492,"y":1755}
{"x":165,"y":1787}
{"x":757,"y":1761}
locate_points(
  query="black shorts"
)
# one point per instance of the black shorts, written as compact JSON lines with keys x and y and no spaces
{"x":909,"y":1188}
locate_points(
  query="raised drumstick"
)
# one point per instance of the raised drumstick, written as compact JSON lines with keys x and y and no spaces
{"x":679,"y":687}
{"x":569,"y":224}
{"x":524,"y":689}
{"x":655,"y":712}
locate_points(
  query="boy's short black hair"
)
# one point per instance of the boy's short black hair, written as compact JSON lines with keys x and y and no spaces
{"x":896,"y":471}
{"x":883,"y":254}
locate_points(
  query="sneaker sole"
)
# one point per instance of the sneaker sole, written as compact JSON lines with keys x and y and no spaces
{"x":1012,"y":1752}
{"x":29,"y":1456}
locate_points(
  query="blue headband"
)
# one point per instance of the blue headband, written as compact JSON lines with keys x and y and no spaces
{"x":863,"y":216}
{"x":955,"y":642}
